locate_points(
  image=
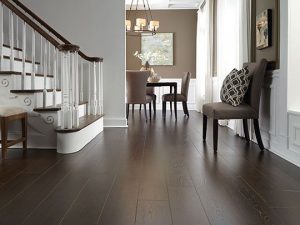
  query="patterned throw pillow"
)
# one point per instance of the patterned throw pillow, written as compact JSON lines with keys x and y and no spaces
{"x":235,"y":86}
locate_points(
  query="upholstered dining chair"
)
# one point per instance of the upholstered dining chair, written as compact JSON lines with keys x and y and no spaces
{"x":136,"y":82}
{"x":249,"y":109}
{"x":182,"y":97}
{"x":150,"y":93}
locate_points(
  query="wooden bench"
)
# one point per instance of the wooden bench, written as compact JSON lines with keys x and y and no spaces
{"x":9,"y":114}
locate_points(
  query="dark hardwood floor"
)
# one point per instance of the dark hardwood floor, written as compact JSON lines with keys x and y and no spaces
{"x":159,"y":173}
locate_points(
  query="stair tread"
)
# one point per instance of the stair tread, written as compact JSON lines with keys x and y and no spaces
{"x":51,"y":108}
{"x":19,"y":59}
{"x":20,"y":73}
{"x":15,"y":48}
{"x":32,"y":91}
{"x":83,"y":123}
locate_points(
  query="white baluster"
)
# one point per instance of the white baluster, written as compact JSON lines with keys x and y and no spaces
{"x":49,"y":59}
{"x":81,"y":80}
{"x":1,"y":35}
{"x":41,"y":56}
{"x":33,"y":60}
{"x":94,"y":105}
{"x":23,"y":55}
{"x":17,"y":32}
{"x":101,"y":87}
{"x":76,"y":91}
{"x":45,"y":77}
{"x":69,"y":85}
{"x":89,"y":90}
{"x":62,"y":86}
{"x":11,"y":40}
{"x":55,"y":69}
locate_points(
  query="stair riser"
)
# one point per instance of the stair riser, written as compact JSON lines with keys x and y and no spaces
{"x":18,"y":54}
{"x":31,"y":100}
{"x":13,"y":82}
{"x":38,"y":82}
{"x":18,"y":66}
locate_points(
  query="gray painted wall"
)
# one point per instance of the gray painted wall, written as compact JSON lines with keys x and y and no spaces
{"x":98,"y":28}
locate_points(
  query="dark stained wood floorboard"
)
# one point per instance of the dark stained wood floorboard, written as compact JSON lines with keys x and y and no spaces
{"x":158,"y":172}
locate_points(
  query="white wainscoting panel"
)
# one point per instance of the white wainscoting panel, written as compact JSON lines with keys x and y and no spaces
{"x":294,"y":130}
{"x":273,"y":114}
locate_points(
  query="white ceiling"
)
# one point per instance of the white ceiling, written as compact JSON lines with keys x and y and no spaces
{"x":167,"y":4}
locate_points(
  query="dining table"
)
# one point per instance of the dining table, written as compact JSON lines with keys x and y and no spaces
{"x":173,"y":89}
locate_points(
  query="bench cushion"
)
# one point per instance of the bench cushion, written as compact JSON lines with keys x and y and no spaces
{"x":221,"y":110}
{"x":6,"y":111}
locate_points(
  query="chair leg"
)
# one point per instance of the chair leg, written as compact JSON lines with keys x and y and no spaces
{"x":145,"y":110}
{"x":4,"y":137}
{"x":140,"y":107}
{"x":127,"y":111}
{"x":164,"y":109}
{"x":215,"y":134}
{"x":150,"y":108}
{"x":204,"y":127}
{"x":185,"y":109}
{"x":171,"y":108}
{"x":246,"y":130}
{"x":24,"y":132}
{"x":257,"y":133}
{"x":132,"y":109}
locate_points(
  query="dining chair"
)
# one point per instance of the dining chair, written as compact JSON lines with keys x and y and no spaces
{"x":136,"y":82}
{"x":150,"y":92}
{"x":182,"y":97}
{"x":249,"y":109}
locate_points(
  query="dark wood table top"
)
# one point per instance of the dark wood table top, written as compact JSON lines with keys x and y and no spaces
{"x":161,"y":84}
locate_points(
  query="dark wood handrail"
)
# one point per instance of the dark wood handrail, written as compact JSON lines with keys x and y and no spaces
{"x":30,"y":22}
{"x":45,"y":25}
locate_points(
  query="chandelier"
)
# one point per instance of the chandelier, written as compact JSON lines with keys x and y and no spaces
{"x":144,"y":25}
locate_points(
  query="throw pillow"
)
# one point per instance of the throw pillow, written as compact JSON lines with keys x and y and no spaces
{"x":235,"y":86}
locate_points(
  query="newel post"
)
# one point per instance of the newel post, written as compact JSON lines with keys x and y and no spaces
{"x":69,"y":117}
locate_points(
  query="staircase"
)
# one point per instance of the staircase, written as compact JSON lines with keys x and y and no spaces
{"x":59,"y":86}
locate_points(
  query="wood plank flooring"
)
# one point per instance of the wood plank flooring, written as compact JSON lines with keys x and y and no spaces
{"x":155,"y":173}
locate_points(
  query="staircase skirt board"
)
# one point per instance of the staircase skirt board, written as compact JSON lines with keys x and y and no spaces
{"x":72,"y":142}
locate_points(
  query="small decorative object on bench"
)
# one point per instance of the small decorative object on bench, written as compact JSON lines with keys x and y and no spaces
{"x":9,"y":114}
